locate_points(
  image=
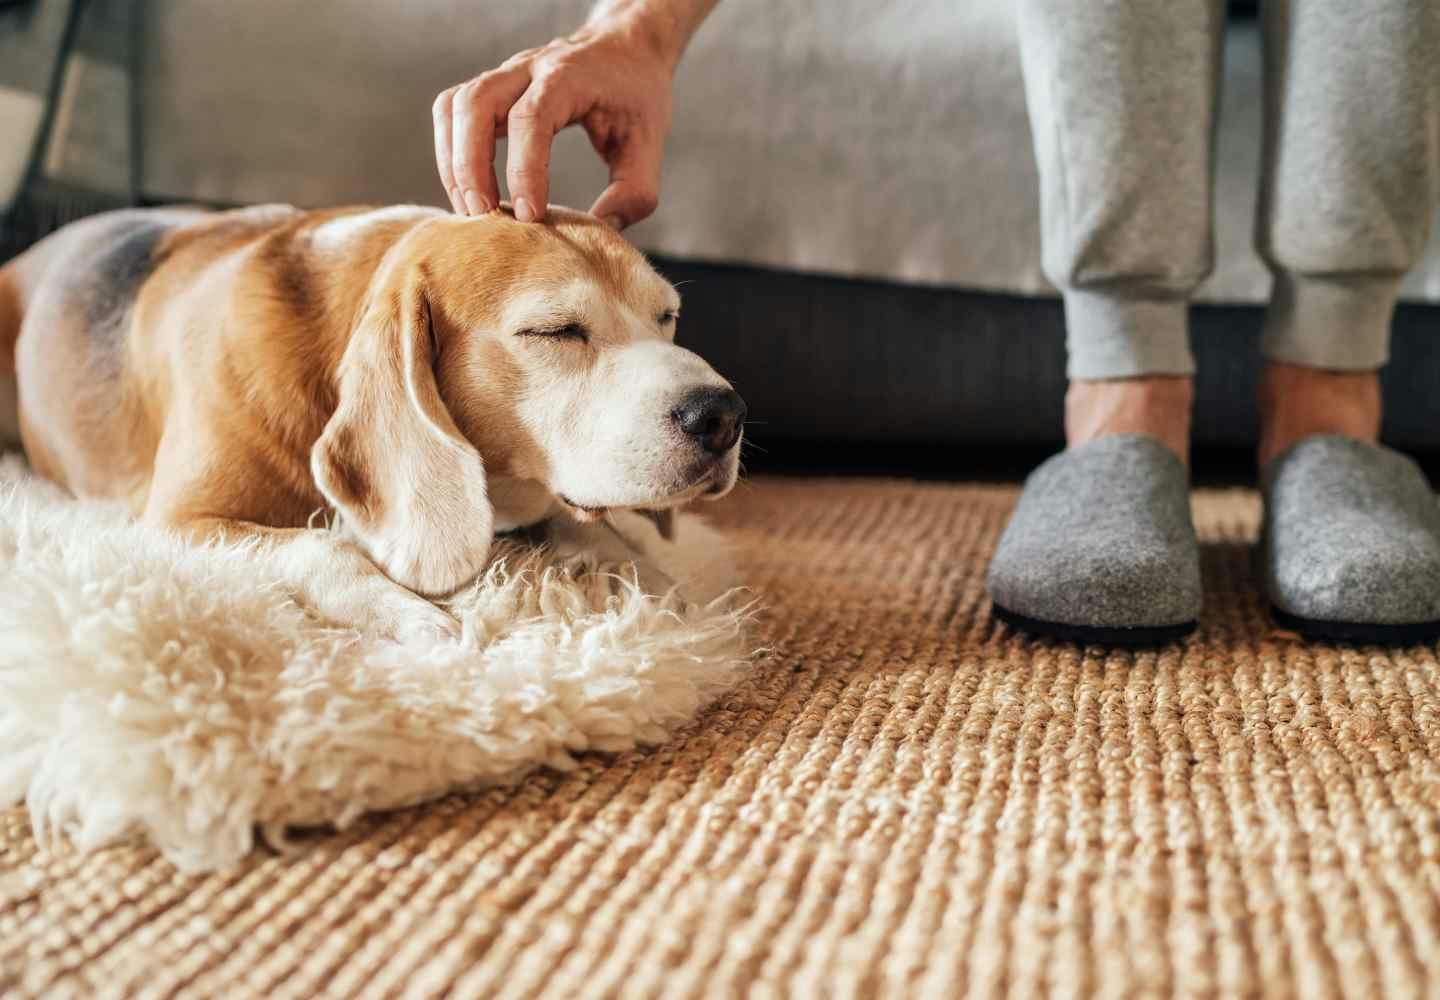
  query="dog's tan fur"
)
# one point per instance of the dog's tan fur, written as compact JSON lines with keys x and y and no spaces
{"x":231,"y":374}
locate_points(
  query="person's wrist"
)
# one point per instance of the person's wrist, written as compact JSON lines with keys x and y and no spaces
{"x":658,"y":33}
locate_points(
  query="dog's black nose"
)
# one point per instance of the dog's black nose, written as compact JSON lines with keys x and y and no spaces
{"x":713,"y":417}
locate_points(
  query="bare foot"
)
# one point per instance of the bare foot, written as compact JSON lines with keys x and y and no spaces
{"x":1157,"y":405}
{"x":1297,"y":402}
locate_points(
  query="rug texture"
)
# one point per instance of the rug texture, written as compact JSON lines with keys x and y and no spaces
{"x":149,"y":687}
{"x":901,"y":799}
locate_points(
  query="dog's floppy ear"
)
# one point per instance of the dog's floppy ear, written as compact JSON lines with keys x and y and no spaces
{"x":391,"y":460}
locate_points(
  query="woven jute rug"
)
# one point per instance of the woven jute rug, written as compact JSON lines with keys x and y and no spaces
{"x":904,"y":800}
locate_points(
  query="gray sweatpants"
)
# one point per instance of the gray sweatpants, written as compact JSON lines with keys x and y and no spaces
{"x":1123,"y":99}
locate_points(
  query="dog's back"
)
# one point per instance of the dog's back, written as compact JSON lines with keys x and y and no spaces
{"x":107,"y":321}
{"x":64,"y":304}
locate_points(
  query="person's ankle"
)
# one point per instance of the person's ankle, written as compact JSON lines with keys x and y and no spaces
{"x":1157,"y":405}
{"x":1298,"y":402}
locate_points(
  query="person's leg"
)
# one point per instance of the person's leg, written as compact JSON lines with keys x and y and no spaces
{"x":1122,"y":97}
{"x":1351,"y":174}
{"x":1348,"y":195}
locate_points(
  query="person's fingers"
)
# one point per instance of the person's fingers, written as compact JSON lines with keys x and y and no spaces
{"x":440,"y":116}
{"x":473,"y":155}
{"x":476,"y":107}
{"x":634,"y":188}
{"x":530,"y":128}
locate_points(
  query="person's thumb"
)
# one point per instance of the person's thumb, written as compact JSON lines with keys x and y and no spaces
{"x":634,"y":189}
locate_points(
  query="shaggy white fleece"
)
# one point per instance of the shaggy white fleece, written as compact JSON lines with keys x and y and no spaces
{"x":149,"y":686}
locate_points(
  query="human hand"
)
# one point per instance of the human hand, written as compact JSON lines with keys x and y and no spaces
{"x":612,"y":77}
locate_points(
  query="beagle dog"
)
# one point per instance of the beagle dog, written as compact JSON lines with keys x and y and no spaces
{"x":433,"y":379}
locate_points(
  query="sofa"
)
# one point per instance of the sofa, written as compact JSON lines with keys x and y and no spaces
{"x":849,"y":195}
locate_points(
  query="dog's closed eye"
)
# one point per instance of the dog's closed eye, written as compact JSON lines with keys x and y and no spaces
{"x":569,"y":331}
{"x":667,"y":317}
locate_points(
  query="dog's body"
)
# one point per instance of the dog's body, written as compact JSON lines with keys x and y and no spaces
{"x":433,"y":379}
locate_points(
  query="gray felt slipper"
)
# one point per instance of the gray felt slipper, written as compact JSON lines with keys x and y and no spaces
{"x":1101,"y":547}
{"x":1350,"y":548}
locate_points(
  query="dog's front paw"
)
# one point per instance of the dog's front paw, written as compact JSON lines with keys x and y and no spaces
{"x":380,"y":607}
{"x":418,"y":622}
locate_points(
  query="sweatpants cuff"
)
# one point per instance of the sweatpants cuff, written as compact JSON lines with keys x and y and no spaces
{"x":1338,"y":322}
{"x":1111,"y":336}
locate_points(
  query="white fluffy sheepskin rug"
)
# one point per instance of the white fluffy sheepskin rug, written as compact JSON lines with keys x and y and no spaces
{"x":178,"y":692}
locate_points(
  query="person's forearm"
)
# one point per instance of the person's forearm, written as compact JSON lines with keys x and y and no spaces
{"x":668,"y":24}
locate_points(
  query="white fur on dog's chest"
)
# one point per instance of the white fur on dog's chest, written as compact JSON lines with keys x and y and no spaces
{"x":519,"y":503}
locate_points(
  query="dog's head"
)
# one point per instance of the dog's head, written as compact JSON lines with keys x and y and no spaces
{"x":539,"y":352}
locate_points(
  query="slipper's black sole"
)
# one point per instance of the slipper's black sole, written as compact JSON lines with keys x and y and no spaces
{"x":1357,"y":633}
{"x":1096,"y":635}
